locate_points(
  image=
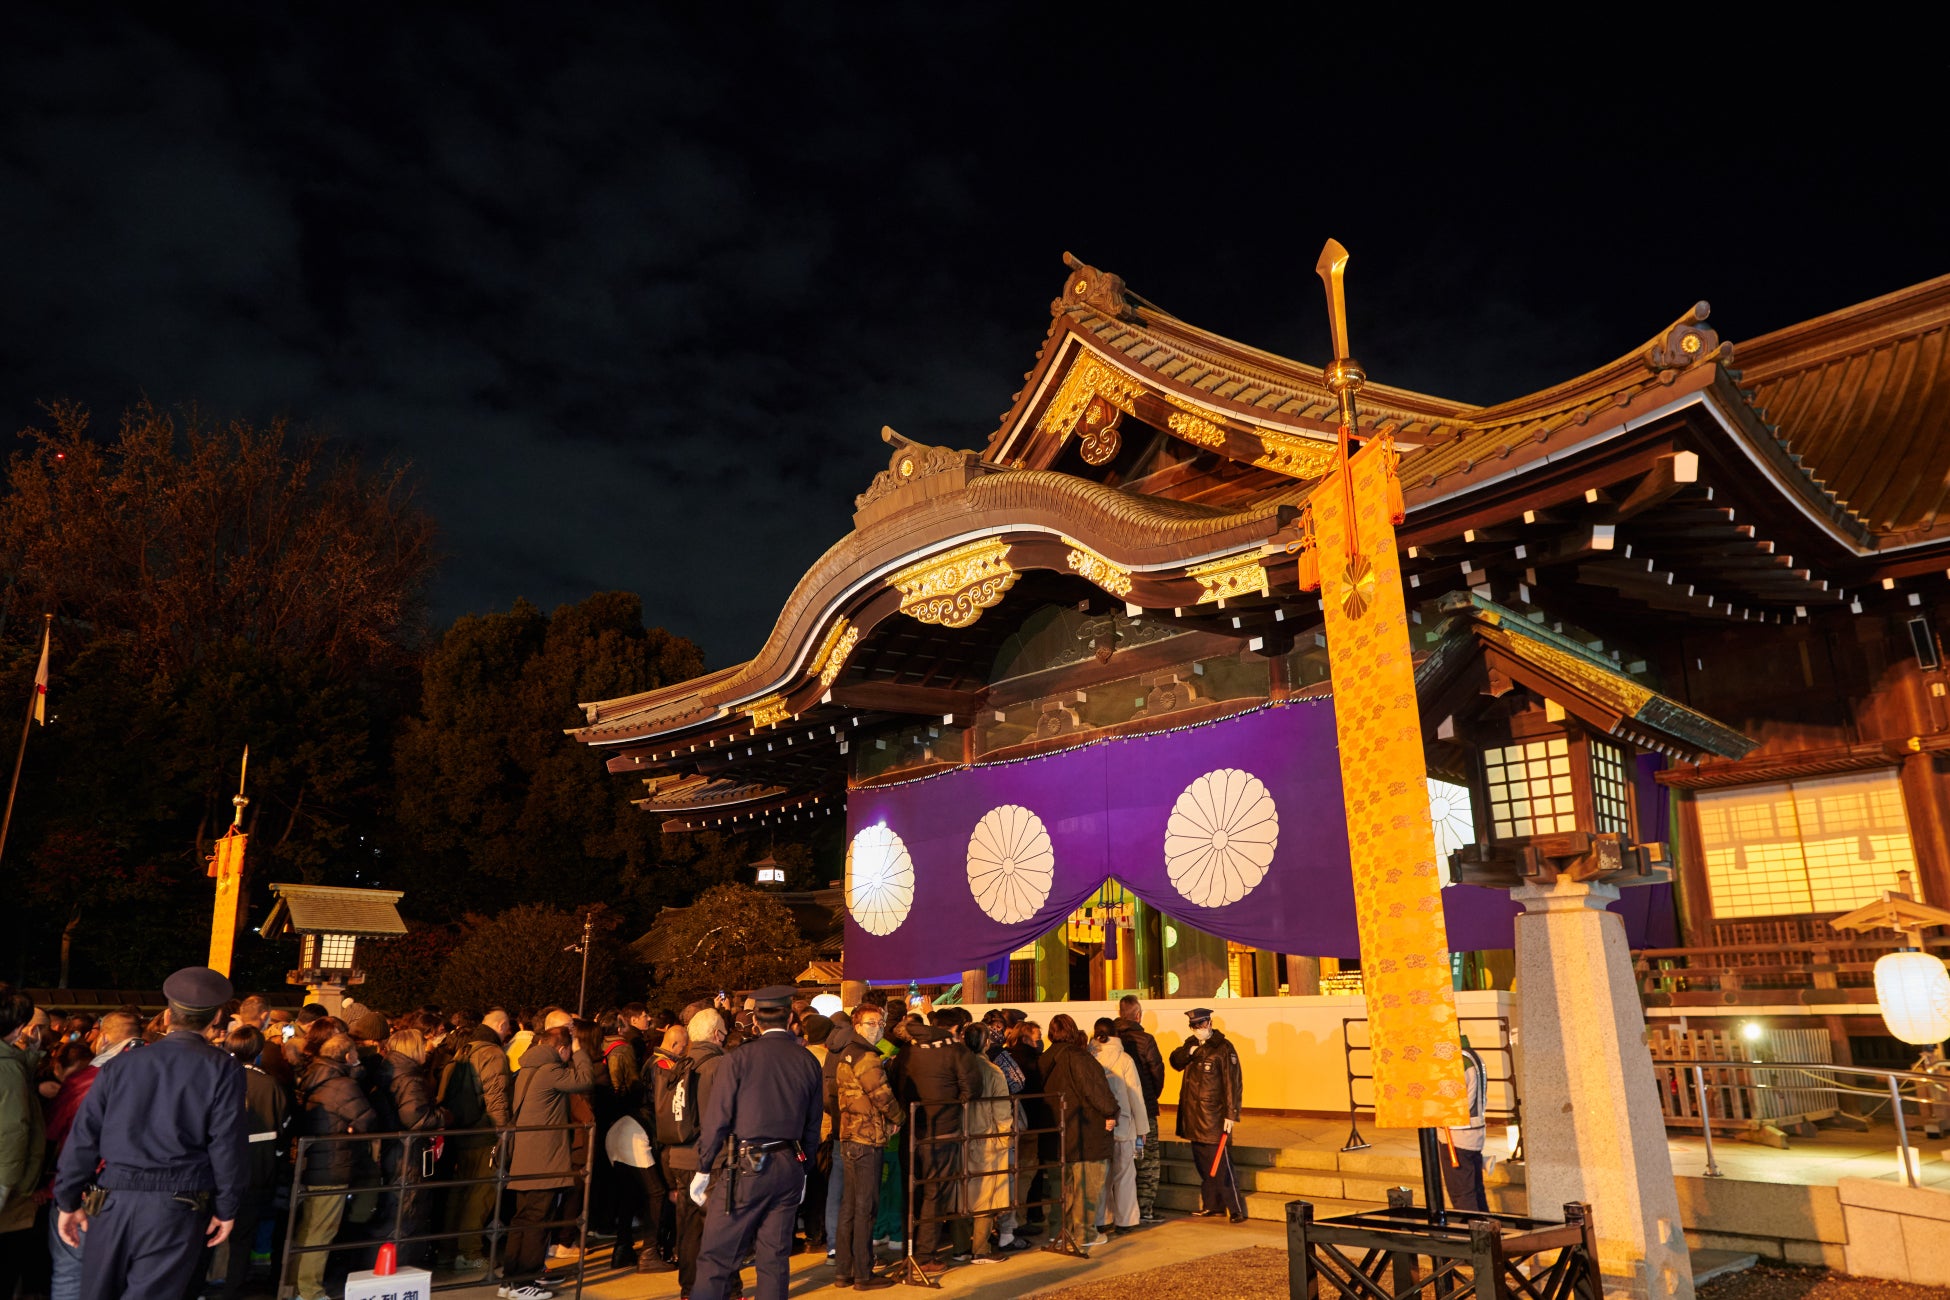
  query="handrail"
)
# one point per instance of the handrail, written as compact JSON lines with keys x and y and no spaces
{"x":493,"y":1232}
{"x":1060,"y":1240}
{"x":1894,"y":1078}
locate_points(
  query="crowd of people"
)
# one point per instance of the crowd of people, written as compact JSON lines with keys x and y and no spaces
{"x":977,"y":1115}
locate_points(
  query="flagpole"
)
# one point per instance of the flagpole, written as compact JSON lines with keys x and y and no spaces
{"x":26,"y":728}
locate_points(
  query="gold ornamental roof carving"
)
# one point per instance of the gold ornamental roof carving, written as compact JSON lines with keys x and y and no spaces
{"x":1086,"y":563}
{"x":1231,"y":578}
{"x":954,"y":588}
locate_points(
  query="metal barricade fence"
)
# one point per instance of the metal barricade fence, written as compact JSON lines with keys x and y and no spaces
{"x":958,"y":1176}
{"x":1504,"y":1049}
{"x":422,"y":1193}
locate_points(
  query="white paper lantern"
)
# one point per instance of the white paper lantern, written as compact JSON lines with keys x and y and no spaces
{"x":826,"y":1004}
{"x":1913,"y":992}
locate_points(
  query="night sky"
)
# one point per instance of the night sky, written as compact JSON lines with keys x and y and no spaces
{"x":635,"y":292}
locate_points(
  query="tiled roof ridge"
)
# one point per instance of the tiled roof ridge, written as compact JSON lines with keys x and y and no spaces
{"x":1908,"y":312}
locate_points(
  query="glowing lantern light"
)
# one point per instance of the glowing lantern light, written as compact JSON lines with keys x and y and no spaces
{"x":826,"y":1004}
{"x":1913,"y":993}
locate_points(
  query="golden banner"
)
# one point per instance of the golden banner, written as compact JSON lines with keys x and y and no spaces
{"x":228,"y":867}
{"x":1418,"y":1080}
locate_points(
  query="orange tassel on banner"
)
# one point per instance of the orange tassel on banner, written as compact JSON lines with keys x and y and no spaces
{"x":1309,"y":569}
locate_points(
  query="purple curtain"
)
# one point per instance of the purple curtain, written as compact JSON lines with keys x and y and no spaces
{"x":1105,"y":811}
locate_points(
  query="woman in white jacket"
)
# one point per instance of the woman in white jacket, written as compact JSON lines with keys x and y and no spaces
{"x":1120,"y":1187}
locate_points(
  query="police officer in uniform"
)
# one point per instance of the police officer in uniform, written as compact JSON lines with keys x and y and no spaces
{"x":168,"y":1127}
{"x":760,"y":1129}
{"x":1210,"y":1092}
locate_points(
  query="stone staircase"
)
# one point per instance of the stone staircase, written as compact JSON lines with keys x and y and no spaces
{"x":1336,"y":1182}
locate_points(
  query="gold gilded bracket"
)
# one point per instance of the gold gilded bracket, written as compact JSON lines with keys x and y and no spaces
{"x":1086,"y":563}
{"x":1230,"y":579}
{"x":954,"y":588}
{"x":1087,"y":378}
{"x":768,"y":711}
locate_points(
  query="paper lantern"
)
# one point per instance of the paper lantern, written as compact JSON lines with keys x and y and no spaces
{"x":1913,"y":993}
{"x":826,"y":1004}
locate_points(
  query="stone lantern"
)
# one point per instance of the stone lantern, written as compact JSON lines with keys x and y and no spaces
{"x":330,"y":924}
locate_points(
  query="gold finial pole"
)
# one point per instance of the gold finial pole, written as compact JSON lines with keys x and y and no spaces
{"x":1343,"y":375}
{"x":238,"y":800}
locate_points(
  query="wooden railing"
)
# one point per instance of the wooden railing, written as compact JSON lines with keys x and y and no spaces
{"x":1836,"y":971}
{"x":1734,"y":1086}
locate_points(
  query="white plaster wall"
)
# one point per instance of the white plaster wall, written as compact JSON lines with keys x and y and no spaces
{"x":1289,"y":1048}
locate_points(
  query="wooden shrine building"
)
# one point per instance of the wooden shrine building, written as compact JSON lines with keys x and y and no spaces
{"x":1676,"y":616}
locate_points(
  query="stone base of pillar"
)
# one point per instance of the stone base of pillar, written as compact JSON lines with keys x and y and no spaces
{"x":852,"y":993}
{"x":329,"y":996}
{"x":1592,"y":1126}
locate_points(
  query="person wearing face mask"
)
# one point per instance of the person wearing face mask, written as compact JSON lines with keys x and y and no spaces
{"x":1210,"y":1089}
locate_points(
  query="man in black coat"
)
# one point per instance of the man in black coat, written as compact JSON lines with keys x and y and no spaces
{"x":938,"y":1072}
{"x":1208,"y":1107}
{"x":1143,"y":1051}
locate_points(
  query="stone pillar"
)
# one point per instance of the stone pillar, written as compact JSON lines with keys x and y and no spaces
{"x":1592,"y":1130}
{"x":975,"y":988}
{"x":330,"y":995}
{"x":1302,"y":976}
{"x":852,"y":993}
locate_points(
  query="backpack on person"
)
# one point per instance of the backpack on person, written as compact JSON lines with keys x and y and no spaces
{"x":460,"y":1092}
{"x":678,"y":1118}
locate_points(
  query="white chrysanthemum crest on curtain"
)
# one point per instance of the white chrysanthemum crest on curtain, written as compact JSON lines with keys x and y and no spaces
{"x":1221,"y":836}
{"x":1011,"y":863}
{"x":879,"y":880}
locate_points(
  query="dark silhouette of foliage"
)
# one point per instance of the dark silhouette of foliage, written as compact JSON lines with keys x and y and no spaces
{"x":733,"y":937}
{"x":524,"y":958}
{"x":495,"y":803}
{"x":213,"y":586}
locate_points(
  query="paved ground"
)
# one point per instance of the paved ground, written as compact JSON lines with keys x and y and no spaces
{"x":1784,"y":1282}
{"x":1170,"y":1245}
{"x":1821,"y":1159}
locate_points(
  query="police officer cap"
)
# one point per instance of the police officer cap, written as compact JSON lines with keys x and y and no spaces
{"x":197,"y":988}
{"x":777,"y":996}
{"x":1200,"y":1016}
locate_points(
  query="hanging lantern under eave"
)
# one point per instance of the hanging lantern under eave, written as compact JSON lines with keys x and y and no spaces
{"x":1913,"y":993}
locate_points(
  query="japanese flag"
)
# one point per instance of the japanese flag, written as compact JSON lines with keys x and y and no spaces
{"x":40,"y":683}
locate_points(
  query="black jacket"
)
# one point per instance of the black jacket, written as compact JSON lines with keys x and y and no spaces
{"x":1071,"y":1072}
{"x":1143,"y":1050}
{"x":941,"y":1073}
{"x":1036,"y":1112}
{"x":709,"y":1058}
{"x":412,"y":1094}
{"x":332,"y":1103}
{"x":1210,"y":1091}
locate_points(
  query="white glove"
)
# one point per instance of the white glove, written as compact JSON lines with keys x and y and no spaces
{"x":1228,"y":1125}
{"x":700,"y":1188}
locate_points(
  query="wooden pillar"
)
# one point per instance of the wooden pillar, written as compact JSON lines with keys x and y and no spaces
{"x":1302,"y":976}
{"x":975,"y":987}
{"x":1278,"y":686}
{"x":1923,"y":803}
{"x":1694,"y":898}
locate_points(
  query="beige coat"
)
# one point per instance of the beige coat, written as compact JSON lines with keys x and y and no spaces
{"x":991,"y":1153}
{"x":1121,"y":1073}
{"x":542,"y":1092}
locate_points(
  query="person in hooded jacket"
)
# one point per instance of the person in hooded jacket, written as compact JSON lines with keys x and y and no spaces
{"x":697,"y":1073}
{"x":1142,"y":1048}
{"x":269,"y":1107}
{"x":1210,"y":1090}
{"x":1089,"y":1118}
{"x":331,"y":1102}
{"x":1120,"y":1208}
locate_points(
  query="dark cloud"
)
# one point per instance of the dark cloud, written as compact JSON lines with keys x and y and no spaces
{"x":636,"y":289}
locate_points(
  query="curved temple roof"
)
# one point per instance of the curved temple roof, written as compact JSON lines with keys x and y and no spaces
{"x":1825,"y":431}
